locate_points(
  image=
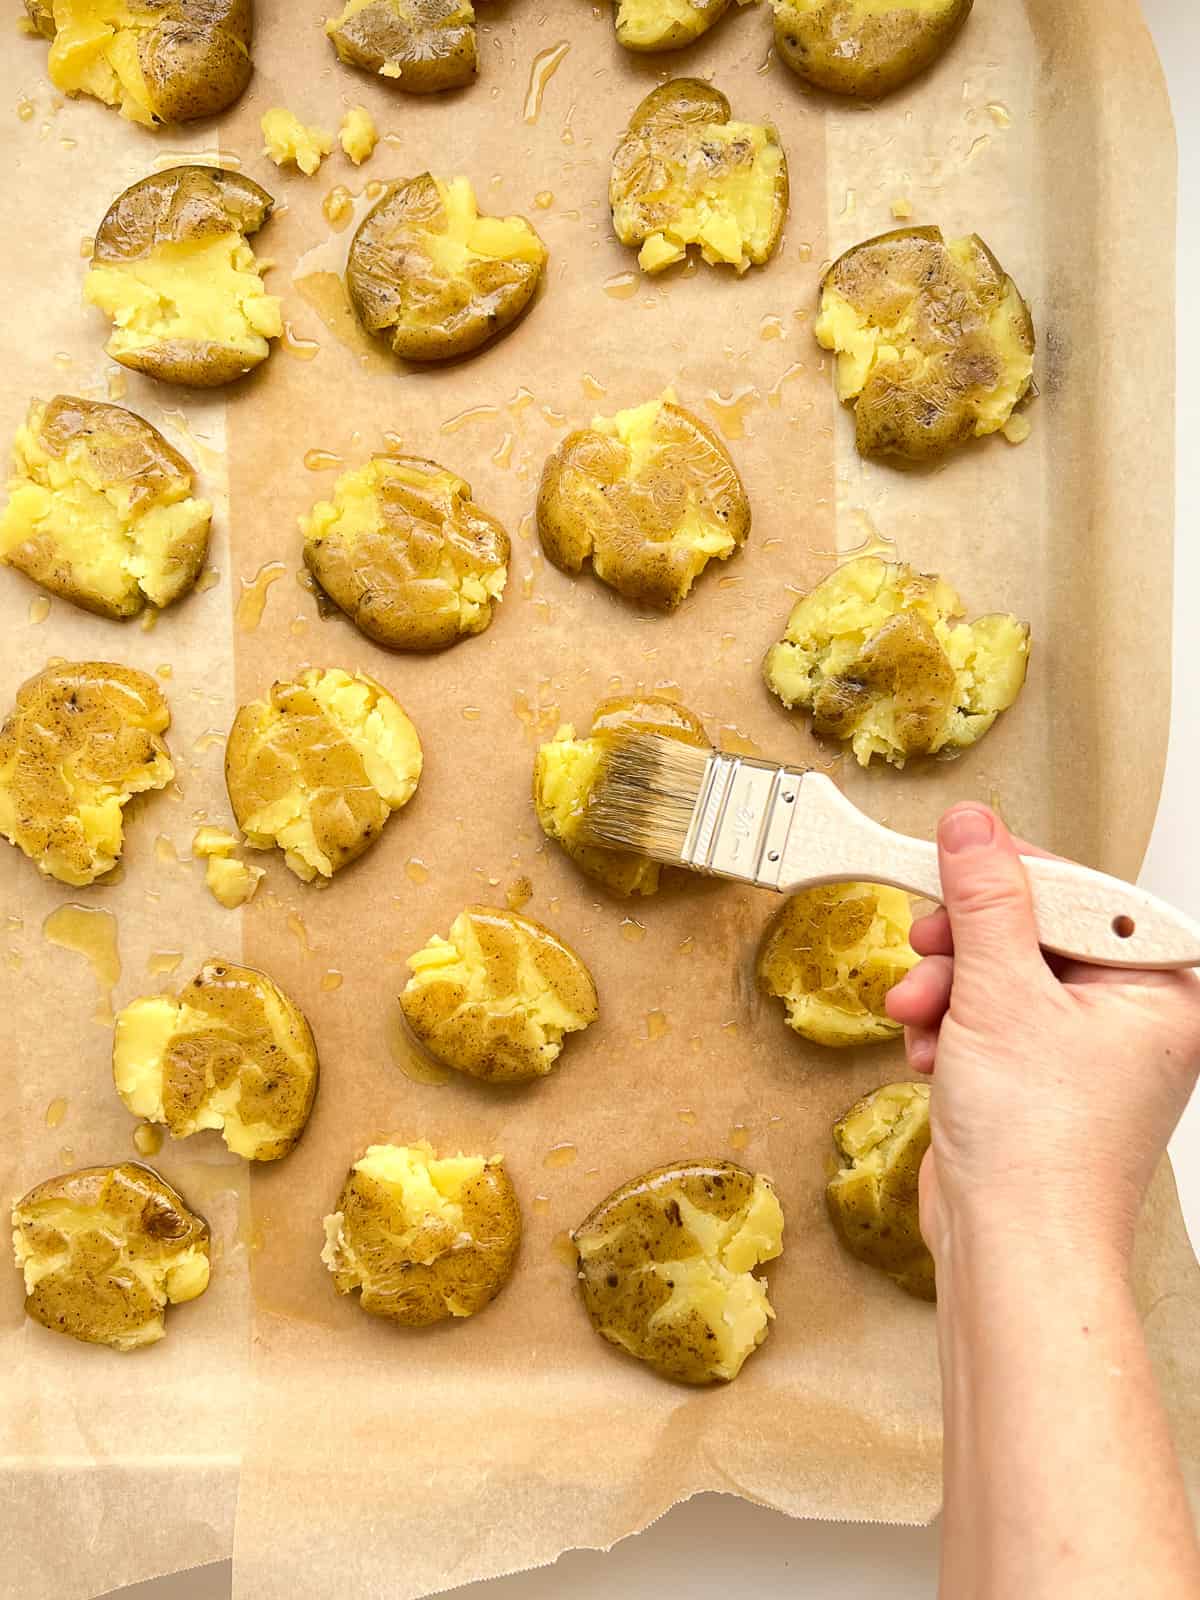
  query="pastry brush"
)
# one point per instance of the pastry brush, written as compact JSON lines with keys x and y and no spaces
{"x":785,"y":828}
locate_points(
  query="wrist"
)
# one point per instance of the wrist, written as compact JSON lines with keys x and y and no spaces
{"x":1021,"y":1250}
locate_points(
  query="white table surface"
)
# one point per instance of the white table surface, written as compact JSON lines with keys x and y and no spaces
{"x":717,"y":1545}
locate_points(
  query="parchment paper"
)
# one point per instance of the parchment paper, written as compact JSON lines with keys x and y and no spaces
{"x":399,"y":1463}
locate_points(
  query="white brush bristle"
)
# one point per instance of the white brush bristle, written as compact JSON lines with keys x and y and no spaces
{"x":645,"y":796}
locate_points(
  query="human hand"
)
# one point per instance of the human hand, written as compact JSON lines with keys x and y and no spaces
{"x":1058,"y":1084}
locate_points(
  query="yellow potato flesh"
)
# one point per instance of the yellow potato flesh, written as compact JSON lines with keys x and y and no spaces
{"x":566,"y":774}
{"x":289,"y":139}
{"x":205,"y":291}
{"x":878,"y":8}
{"x":95,"y":51}
{"x":468,"y":237}
{"x":658,"y":24}
{"x":118,"y":551}
{"x":873,"y":1200}
{"x":983,"y":662}
{"x":231,"y":882}
{"x":422,"y":1189}
{"x":733,"y":217}
{"x":358,"y":134}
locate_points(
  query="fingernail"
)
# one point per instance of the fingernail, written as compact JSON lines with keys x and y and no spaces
{"x":966,"y":829}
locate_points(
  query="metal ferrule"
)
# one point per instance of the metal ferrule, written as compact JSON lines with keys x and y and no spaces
{"x":742,"y":820}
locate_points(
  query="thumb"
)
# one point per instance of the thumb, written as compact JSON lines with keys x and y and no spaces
{"x":987,"y":898}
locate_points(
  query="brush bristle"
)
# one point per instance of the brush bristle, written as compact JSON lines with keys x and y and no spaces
{"x":645,"y":795}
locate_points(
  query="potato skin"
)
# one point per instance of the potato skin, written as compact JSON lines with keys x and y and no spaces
{"x":673,"y":33}
{"x":194,"y":54}
{"x":102,"y":724}
{"x":94,"y":1297}
{"x":876,"y":1213}
{"x":392,"y":582}
{"x":622,"y":872}
{"x":591,"y":506}
{"x":866,"y":54}
{"x":467,"y":1275}
{"x":398,"y":292}
{"x":432,"y":41}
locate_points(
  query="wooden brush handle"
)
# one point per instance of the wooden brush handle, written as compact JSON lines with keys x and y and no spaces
{"x":1080,"y":913}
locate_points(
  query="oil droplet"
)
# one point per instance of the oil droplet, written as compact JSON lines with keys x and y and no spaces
{"x":656,"y":1025}
{"x":541,"y":1204}
{"x":502,"y":454}
{"x":771,"y":327}
{"x":412,"y":1061}
{"x":296,"y":345}
{"x":147,"y":1139}
{"x":295,"y":926}
{"x":730,"y":1028}
{"x":541,"y":69}
{"x":207,"y":741}
{"x":66,"y":1154}
{"x":87,"y":247}
{"x":471,"y":713}
{"x":165,"y":851}
{"x":90,"y":933}
{"x":338,"y":206}
{"x":325,"y":292}
{"x":165,"y":670}
{"x":253,"y":598}
{"x":163,"y":962}
{"x":999,"y":113}
{"x":55,"y":1112}
{"x":331,"y":980}
{"x":592,"y":387}
{"x":730,"y":410}
{"x":775,"y":392}
{"x":116,"y":385}
{"x":687,"y":946}
{"x":902,"y":209}
{"x":322,"y":460}
{"x":463,"y":419}
{"x":39,"y":608}
{"x":208,"y":579}
{"x":734,"y":742}
{"x":622,"y":285}
{"x":149,"y":620}
{"x":416,"y":871}
{"x":632,"y":930}
{"x":26,"y":109}
{"x":543,"y":199}
{"x":564,"y":1248}
{"x":560,"y":1155}
{"x":518,"y":894}
{"x":739,"y":1136}
{"x":805,"y":252}
{"x":977,"y":146}
{"x":62,"y":360}
{"x":687,"y":1116}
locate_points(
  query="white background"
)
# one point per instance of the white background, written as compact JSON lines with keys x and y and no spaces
{"x":716,"y":1545}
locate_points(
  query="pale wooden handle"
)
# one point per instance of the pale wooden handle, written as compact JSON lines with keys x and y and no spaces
{"x":1080,"y":913}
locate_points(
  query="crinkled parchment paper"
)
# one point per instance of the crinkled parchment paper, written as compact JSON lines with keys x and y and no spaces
{"x":389,"y":1462}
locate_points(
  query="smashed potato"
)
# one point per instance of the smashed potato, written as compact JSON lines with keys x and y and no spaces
{"x":873,"y":654}
{"x":421,"y":46}
{"x":864,"y":48}
{"x":496,"y":998}
{"x":650,"y":496}
{"x":287,"y":139}
{"x":104,"y":1250}
{"x":666,"y":1267}
{"x":873,"y":1200}
{"x":155,"y":60}
{"x":423,"y":1237}
{"x":100,"y":509}
{"x":435,"y":278}
{"x":934,"y":342}
{"x":407,"y":554}
{"x":665,"y":24}
{"x":318,"y":768}
{"x":686,"y":174}
{"x":831,"y":954}
{"x":173,"y":271}
{"x":83,"y":738}
{"x":566,"y":768}
{"x":231,"y":1052}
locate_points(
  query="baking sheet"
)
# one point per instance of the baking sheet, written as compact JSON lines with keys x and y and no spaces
{"x":402,"y":1463}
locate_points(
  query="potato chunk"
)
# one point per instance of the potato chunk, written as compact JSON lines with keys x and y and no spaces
{"x":435,"y":278}
{"x":318,"y":768}
{"x":650,"y":496}
{"x":831,"y":954}
{"x":231,"y":1052}
{"x":227,"y":878}
{"x":686,"y":174}
{"x":666,"y":1267}
{"x":290,"y":141}
{"x":83,"y":738}
{"x":566,"y":768}
{"x":358,"y":134}
{"x":421,"y":46}
{"x":873,"y":653}
{"x":100,"y":509}
{"x":665,"y":24}
{"x":873,"y":1200}
{"x":407,"y":554}
{"x":864,"y":48}
{"x":155,"y":60}
{"x":934,"y":342}
{"x":423,"y":1237}
{"x":496,"y":998}
{"x":174,"y":272}
{"x":104,"y":1250}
